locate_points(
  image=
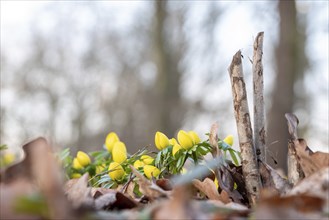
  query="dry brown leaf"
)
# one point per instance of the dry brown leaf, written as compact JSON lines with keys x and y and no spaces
{"x":148,"y":188}
{"x":316,"y":184}
{"x":321,"y":159}
{"x":177,"y":207}
{"x":292,"y":207}
{"x":272,"y":179}
{"x":79,"y":194}
{"x":40,"y":169}
{"x":114,"y":200}
{"x":208,"y":187}
{"x":9,"y":193}
{"x":164,"y":184}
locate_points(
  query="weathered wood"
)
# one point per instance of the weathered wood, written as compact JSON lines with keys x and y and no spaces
{"x":242,"y":117}
{"x":259,"y":106}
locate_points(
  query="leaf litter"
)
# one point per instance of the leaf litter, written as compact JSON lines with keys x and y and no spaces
{"x":34,"y":188}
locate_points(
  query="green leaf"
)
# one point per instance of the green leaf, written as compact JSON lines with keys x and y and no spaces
{"x":34,"y":204}
{"x":64,"y":154}
{"x":234,"y":158}
{"x":3,"y":147}
{"x":158,"y":159}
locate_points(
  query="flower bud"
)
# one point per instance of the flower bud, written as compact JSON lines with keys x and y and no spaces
{"x":229,"y":140}
{"x":8,"y":158}
{"x":116,"y":171}
{"x":161,"y":140}
{"x":138,"y":164}
{"x":150,"y":171}
{"x":100,"y":168}
{"x":173,"y":141}
{"x":83,"y":158}
{"x":76,"y":165}
{"x":175,"y":149}
{"x":147,"y":159}
{"x":194,"y":136}
{"x":75,"y":175}
{"x":110,"y":140}
{"x":185,"y":140}
{"x":119,"y":152}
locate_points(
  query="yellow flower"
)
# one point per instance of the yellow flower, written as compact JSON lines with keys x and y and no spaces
{"x":173,"y":141}
{"x":116,"y":171}
{"x":138,"y":164}
{"x":194,"y":136}
{"x":185,"y":140}
{"x":183,"y":170}
{"x":75,"y":175}
{"x":216,"y":182}
{"x":161,"y":140}
{"x":8,"y":158}
{"x":100,"y":168}
{"x":147,"y":159}
{"x":175,"y":149}
{"x":119,"y":152}
{"x":83,"y":158}
{"x":110,"y":140}
{"x":76,"y":164}
{"x":229,"y":140}
{"x":150,"y":171}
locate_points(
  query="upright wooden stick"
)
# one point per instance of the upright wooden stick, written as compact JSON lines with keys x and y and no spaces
{"x":259,"y":109}
{"x":242,"y":117}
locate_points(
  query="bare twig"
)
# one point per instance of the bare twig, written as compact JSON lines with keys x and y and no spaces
{"x":242,"y":117}
{"x":259,"y":116}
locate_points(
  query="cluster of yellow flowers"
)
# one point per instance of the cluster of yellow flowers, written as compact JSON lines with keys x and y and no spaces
{"x":119,"y":155}
{"x":118,"y":166}
{"x":79,"y":162}
{"x":186,"y":140}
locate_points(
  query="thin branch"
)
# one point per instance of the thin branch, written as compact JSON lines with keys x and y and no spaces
{"x":259,"y":107}
{"x":241,"y":111}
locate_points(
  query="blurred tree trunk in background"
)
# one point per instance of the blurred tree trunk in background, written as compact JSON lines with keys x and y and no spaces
{"x":291,"y":64}
{"x":167,"y":55}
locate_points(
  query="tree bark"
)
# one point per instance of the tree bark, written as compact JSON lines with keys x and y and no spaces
{"x":291,"y":63}
{"x":258,"y":81}
{"x":242,"y":117}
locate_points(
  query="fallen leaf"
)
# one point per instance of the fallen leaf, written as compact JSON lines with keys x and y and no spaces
{"x":272,"y":179}
{"x":79,"y":194}
{"x":148,"y":188}
{"x":316,"y":185}
{"x":114,"y":200}
{"x":291,"y":207}
{"x":208,"y":187}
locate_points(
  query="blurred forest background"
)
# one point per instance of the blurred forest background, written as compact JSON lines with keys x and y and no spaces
{"x":74,"y":71}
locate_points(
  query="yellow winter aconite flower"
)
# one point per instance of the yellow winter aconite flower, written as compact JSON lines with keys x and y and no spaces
{"x":229,"y":140}
{"x":76,"y":164}
{"x":147,"y":159}
{"x":83,"y":158}
{"x":8,"y":158}
{"x":175,"y":149}
{"x":173,"y":141}
{"x":119,"y":152}
{"x":75,"y":175}
{"x":110,"y":140}
{"x":194,"y":136}
{"x":138,"y":164}
{"x":150,"y":171}
{"x":216,"y":182}
{"x":100,"y":168}
{"x":185,"y":140}
{"x":183,"y":170}
{"x":116,"y":171}
{"x":161,"y":140}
